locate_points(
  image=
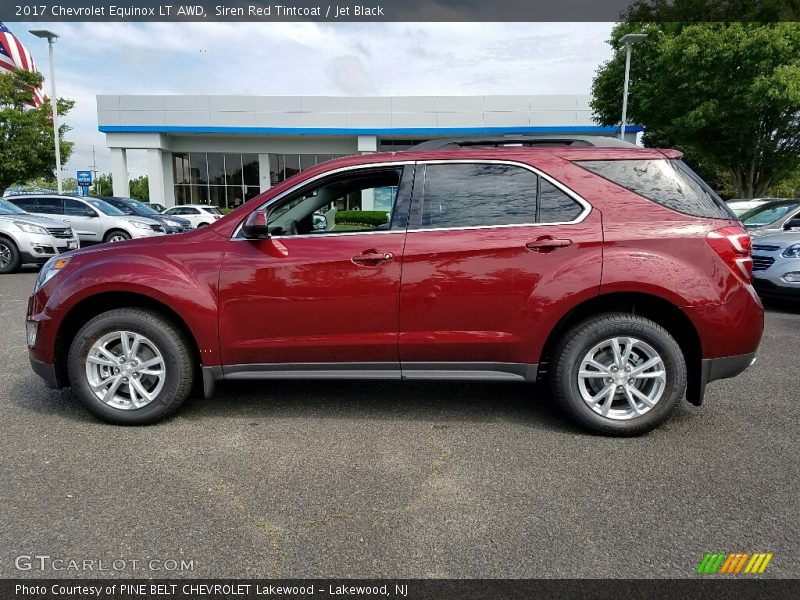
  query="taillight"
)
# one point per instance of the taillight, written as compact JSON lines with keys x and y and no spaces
{"x":734,"y":246}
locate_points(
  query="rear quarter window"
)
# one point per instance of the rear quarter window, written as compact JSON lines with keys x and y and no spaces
{"x":670,"y":183}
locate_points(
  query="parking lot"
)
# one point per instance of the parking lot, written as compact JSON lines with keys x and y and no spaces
{"x":394,"y":479}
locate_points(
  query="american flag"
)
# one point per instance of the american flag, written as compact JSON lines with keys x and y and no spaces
{"x":13,"y":55}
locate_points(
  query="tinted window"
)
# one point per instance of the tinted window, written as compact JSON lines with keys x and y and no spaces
{"x":555,"y":206}
{"x":465,"y":195}
{"x":27,"y":204}
{"x":50,"y":206}
{"x":74,"y":208}
{"x":105,"y":208}
{"x":666,"y":182}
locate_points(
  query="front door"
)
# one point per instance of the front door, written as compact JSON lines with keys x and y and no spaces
{"x":321,"y":294}
{"x":83,"y":219}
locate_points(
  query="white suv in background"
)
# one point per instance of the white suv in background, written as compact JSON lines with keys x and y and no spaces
{"x":94,"y":220}
{"x":30,"y":239}
{"x":198,"y":214}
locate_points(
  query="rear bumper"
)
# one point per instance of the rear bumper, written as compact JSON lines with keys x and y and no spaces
{"x":46,"y":371}
{"x":712,"y":369}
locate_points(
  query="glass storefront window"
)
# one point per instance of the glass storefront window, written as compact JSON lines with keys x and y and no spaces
{"x":250,"y":169}
{"x":216,"y":169}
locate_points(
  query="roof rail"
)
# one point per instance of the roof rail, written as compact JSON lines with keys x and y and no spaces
{"x":494,"y":141}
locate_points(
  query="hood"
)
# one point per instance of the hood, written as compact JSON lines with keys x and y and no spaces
{"x":146,"y":220}
{"x":781,"y":238}
{"x":36,"y":220}
{"x":164,"y":218}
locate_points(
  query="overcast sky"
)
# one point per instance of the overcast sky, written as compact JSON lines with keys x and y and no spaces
{"x":307,"y":59}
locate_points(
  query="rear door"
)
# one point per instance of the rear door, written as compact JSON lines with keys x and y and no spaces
{"x":493,"y":250}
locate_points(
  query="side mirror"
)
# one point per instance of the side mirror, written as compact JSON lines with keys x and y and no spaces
{"x":255,"y":226}
{"x":320,"y":222}
{"x":90,"y":213}
{"x":792,"y":224}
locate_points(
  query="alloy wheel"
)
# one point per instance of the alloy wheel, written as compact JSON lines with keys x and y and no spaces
{"x":125,"y":370}
{"x":622,"y":378}
{"x":5,"y":255}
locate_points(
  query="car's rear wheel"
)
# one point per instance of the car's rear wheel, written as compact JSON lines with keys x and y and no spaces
{"x":618,"y":374}
{"x":131,"y":366}
{"x":116,"y":235}
{"x":10,"y":259}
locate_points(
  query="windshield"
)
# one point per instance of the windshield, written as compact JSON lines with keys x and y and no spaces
{"x":767,"y":213}
{"x":6,"y":208}
{"x":141,"y":208}
{"x":105,"y":208}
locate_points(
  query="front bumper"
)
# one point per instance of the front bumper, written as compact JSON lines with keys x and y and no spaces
{"x":46,"y":371}
{"x":38,"y":249}
{"x":770,"y":289}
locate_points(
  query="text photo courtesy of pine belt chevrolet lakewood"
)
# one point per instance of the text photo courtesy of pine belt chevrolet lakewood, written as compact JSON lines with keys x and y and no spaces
{"x":609,"y":271}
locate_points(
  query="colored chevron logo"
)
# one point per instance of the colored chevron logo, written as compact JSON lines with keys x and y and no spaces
{"x":734,"y":563}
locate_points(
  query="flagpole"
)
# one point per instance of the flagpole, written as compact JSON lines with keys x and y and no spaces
{"x":51,"y":39}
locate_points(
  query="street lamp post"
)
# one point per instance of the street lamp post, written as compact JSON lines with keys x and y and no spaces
{"x":629,"y":39}
{"x":51,"y":39}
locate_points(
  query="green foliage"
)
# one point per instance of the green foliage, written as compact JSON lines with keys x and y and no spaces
{"x":139,"y":188}
{"x":727,"y":94}
{"x":26,"y":134}
{"x":371,"y":218}
{"x":103,"y":185}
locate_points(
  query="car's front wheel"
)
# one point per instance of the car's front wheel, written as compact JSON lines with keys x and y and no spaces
{"x":618,"y":374}
{"x":10,"y":258}
{"x":116,"y":235}
{"x":131,"y":366}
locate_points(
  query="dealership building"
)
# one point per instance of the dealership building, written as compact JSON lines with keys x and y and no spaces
{"x":224,"y":150}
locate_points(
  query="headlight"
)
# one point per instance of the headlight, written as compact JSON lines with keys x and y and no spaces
{"x":29,"y":228}
{"x":174,"y":224}
{"x":140,"y":225}
{"x":50,"y":269}
{"x":792,"y":251}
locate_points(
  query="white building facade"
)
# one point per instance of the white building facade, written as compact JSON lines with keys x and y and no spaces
{"x":224,"y":150}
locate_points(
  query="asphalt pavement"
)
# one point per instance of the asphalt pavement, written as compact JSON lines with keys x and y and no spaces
{"x":396,"y":479}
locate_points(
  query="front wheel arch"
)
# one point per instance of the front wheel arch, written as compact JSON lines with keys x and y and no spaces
{"x":90,"y":307}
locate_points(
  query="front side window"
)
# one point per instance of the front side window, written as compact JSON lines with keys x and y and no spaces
{"x":666,"y":182}
{"x":74,"y":208}
{"x":317,"y":210}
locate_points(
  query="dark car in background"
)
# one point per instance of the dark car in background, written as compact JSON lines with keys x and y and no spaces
{"x":129,"y":206}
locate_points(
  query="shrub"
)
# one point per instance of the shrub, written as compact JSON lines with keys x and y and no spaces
{"x":372,"y":218}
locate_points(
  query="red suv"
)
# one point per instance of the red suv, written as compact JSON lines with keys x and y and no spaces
{"x":611,"y":271}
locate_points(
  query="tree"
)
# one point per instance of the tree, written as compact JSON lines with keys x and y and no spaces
{"x":139,"y":187}
{"x":727,"y":94}
{"x":26,"y":134}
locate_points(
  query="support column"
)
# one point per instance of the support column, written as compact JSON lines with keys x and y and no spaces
{"x":169,"y":178}
{"x":155,"y":176}
{"x":367,"y":143}
{"x":119,"y":172}
{"x":263,"y":172}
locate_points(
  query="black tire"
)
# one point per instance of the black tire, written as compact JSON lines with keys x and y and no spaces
{"x":10,"y":253}
{"x":202,"y":225}
{"x":582,"y":338}
{"x":116,"y":233}
{"x":171,"y":342}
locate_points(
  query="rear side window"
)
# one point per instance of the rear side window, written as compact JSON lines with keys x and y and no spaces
{"x":50,"y":206}
{"x":27,"y":204}
{"x":474,"y":195}
{"x":666,"y":182}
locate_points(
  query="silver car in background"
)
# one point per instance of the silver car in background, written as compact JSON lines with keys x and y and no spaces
{"x":92,"y":219}
{"x":776,"y":263}
{"x":30,"y":239}
{"x":772,"y":216}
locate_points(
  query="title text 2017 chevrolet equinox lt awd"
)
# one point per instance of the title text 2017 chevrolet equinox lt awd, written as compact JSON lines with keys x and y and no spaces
{"x":611,"y":271}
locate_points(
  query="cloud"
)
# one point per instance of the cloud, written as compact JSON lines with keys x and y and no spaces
{"x":309,"y":59}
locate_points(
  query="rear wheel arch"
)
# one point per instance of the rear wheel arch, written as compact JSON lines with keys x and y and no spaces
{"x":92,"y":306}
{"x":657,"y":309}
